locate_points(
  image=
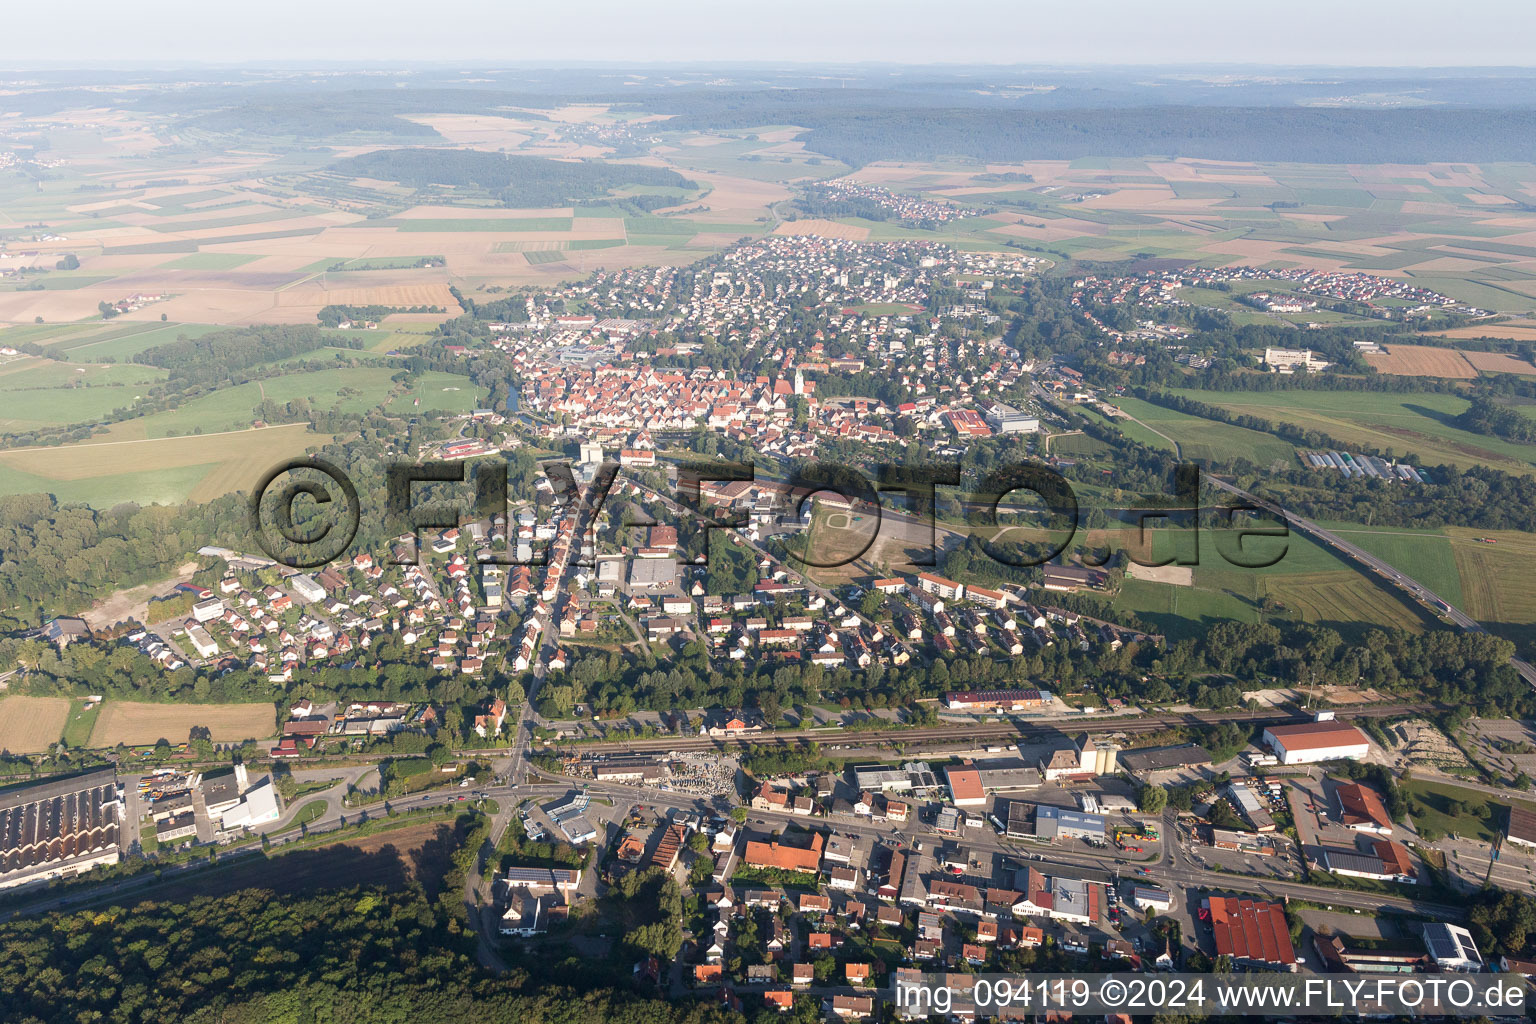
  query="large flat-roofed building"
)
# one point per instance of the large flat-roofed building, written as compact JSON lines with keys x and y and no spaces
{"x":629,"y":770}
{"x":1005,"y":419}
{"x":59,"y":828}
{"x":1313,"y":742}
{"x":881,"y":777}
{"x":1048,"y":823}
{"x":1151,"y":896}
{"x":965,"y":786}
{"x":1058,"y":897}
{"x":1287,"y":360}
{"x":1252,"y":933}
{"x":1008,"y":775}
{"x":1150,"y":762}
{"x":652,"y":573}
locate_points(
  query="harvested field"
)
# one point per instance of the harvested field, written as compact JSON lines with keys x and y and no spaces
{"x":393,"y":295}
{"x":1423,"y":361}
{"x":1499,"y":362}
{"x":31,"y":725}
{"x":1515,"y":330}
{"x":142,"y":725}
{"x":824,"y":228}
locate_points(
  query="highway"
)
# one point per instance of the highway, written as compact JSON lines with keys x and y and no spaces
{"x":1388,"y":573}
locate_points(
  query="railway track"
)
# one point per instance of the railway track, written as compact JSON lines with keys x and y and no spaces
{"x":970,"y":733}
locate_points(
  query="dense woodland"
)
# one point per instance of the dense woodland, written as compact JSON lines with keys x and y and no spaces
{"x":354,"y":955}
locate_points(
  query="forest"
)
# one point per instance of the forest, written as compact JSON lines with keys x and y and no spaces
{"x":357,"y":955}
{"x":216,"y":356}
{"x":518,"y":181}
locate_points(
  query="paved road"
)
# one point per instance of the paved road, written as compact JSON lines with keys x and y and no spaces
{"x":1382,"y":568}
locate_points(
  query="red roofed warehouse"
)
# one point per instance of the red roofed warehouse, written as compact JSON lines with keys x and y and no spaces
{"x":1252,"y":933}
{"x":1316,"y":741}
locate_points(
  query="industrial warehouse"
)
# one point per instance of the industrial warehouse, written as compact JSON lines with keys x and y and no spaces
{"x":59,"y":828}
{"x":1313,"y":742}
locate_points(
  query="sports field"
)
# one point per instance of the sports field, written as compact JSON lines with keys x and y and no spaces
{"x":137,"y":724}
{"x":31,"y":725}
{"x":37,"y":392}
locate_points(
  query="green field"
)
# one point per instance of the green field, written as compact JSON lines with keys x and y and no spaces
{"x":1306,"y":583}
{"x":124,"y":341}
{"x":55,"y":394}
{"x":346,"y":389}
{"x":442,"y":392}
{"x":1447,"y":808}
{"x":1423,"y":555}
{"x":1205,"y":440}
{"x":1414,"y":424}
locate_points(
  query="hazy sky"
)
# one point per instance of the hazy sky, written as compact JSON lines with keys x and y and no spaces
{"x":1357,"y":32}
